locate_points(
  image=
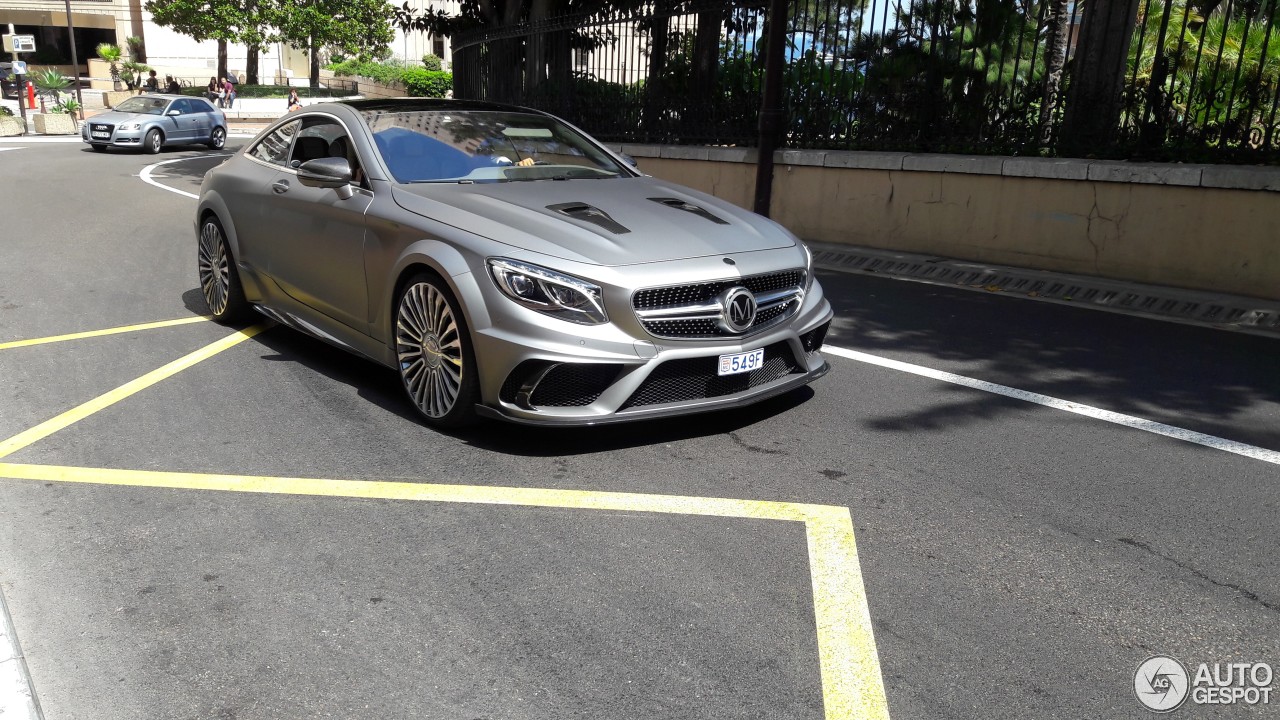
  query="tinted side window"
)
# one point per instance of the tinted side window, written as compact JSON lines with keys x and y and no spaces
{"x":274,"y":148}
{"x":200,"y":106}
{"x":181,"y":106}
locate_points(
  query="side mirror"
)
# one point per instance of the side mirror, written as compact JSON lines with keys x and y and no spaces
{"x":327,"y":172}
{"x":174,"y":113}
{"x":631,"y":161}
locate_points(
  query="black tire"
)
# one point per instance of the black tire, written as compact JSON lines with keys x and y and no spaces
{"x":216,"y":270}
{"x":217,"y":139}
{"x":434,"y":356}
{"x":152,"y":143}
{"x":99,"y":148}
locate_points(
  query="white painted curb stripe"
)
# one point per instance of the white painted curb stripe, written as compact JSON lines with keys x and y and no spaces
{"x":17,"y":701}
{"x":1137,"y":423}
{"x":146,"y":174}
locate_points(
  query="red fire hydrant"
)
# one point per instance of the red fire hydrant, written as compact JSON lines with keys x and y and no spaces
{"x":31,"y":96}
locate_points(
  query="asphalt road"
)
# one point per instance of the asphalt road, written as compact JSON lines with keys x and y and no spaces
{"x":1018,"y":561}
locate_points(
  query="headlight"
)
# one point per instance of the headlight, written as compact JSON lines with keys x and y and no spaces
{"x":549,"y":292}
{"x":130,"y":126}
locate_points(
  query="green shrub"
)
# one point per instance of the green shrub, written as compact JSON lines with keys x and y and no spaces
{"x":432,"y":62}
{"x":5,"y":112}
{"x":386,"y":73}
{"x":420,"y":82}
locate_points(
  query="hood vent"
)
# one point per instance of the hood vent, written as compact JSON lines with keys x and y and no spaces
{"x":678,"y":204}
{"x":586,"y":213}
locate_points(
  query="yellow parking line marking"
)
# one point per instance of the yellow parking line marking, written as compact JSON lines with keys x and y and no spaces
{"x":852,"y":685}
{"x":76,"y":414}
{"x":99,"y":333}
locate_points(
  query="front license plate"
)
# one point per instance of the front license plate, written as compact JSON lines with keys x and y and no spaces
{"x":741,"y":362}
{"x":102,"y":134}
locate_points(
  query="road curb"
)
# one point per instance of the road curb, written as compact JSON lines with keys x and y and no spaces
{"x":1206,"y":309}
{"x":17,"y":695}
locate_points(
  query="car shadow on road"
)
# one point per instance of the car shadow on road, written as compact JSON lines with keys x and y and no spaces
{"x":1213,"y":381}
{"x":381,"y":387}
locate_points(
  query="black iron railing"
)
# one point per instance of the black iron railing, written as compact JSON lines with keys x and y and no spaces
{"x":1201,"y":77}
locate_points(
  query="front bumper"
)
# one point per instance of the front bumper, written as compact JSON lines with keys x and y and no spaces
{"x":543,"y":371}
{"x":116,"y":137}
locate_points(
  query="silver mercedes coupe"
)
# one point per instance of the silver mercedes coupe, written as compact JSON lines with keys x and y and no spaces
{"x":507,"y":265}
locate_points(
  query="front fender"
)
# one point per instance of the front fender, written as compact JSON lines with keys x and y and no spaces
{"x":444,"y":260}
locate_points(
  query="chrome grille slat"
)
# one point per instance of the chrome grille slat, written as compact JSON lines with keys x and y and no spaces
{"x":690,"y":311}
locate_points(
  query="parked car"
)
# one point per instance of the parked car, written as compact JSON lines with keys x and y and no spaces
{"x":507,"y":265}
{"x":151,"y":122}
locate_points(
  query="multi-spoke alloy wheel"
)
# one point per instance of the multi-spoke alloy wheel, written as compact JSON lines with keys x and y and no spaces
{"x":219,"y":281}
{"x":218,"y":139}
{"x":432,"y":351}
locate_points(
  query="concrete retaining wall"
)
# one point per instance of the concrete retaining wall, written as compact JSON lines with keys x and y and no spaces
{"x":1206,"y":227}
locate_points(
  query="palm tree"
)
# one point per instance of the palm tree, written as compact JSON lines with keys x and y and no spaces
{"x":1216,"y":75}
{"x":112,"y":53}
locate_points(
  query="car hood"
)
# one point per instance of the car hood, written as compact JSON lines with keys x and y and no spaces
{"x":622,"y":221}
{"x":115,"y":118}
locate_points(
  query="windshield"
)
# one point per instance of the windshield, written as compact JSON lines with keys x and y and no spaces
{"x":143,"y":105}
{"x":485,"y":146}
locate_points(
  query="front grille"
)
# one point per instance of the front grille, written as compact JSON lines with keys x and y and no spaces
{"x":678,"y":296}
{"x":559,"y":384}
{"x":696,"y":378}
{"x":100,"y":126}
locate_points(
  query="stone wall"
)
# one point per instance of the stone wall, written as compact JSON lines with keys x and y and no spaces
{"x":1206,"y":227}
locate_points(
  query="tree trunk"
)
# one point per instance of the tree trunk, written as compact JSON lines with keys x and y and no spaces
{"x":251,"y":67}
{"x":222,"y":59}
{"x":536,"y":57}
{"x":314,"y":52}
{"x":1093,"y":107}
{"x":658,"y":37}
{"x":702,"y":86}
{"x":1054,"y":64}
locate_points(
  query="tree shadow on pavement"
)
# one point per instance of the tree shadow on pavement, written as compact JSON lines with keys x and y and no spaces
{"x":1214,"y":381}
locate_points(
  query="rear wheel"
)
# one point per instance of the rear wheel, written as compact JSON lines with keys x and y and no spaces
{"x":434,"y":355}
{"x":219,"y":281}
{"x":152,"y":143}
{"x":217,"y":139}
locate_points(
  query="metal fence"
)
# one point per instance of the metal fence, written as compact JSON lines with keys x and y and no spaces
{"x":1201,"y":77}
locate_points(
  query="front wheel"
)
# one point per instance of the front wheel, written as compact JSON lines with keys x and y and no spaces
{"x":217,"y":139}
{"x":219,"y":280}
{"x":433,"y":352}
{"x":152,"y":143}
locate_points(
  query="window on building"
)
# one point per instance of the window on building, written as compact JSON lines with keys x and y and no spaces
{"x":437,"y":47}
{"x":580,"y":58}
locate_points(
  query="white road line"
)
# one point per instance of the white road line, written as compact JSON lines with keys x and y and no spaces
{"x":2,"y":149}
{"x":17,"y":701}
{"x":147,"y":177}
{"x":1137,"y":423}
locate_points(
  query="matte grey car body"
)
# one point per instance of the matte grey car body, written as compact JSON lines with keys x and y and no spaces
{"x":590,"y":296}
{"x":162,"y":121}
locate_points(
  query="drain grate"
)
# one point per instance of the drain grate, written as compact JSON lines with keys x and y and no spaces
{"x":1226,"y":311}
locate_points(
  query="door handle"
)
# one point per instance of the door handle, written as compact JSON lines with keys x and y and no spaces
{"x":280,"y":186}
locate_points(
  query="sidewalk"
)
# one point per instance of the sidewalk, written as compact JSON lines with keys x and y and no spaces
{"x":247,"y":115}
